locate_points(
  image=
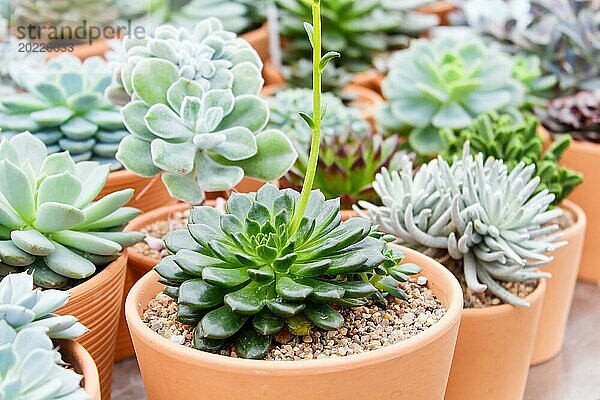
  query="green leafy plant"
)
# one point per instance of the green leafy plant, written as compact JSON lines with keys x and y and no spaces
{"x":496,"y":136}
{"x":276,"y":257}
{"x":446,"y":83}
{"x":209,"y":55}
{"x":22,"y":307}
{"x":538,"y":87}
{"x":474,"y":211}
{"x":49,"y":221}
{"x":577,"y":115}
{"x":33,"y":369}
{"x":66,"y":109}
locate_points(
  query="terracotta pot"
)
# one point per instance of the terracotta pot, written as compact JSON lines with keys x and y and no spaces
{"x":560,"y":289}
{"x":84,"y":50}
{"x":96,"y":303}
{"x":415,"y":369}
{"x":138,"y":265}
{"x":77,"y":357}
{"x":441,"y":9}
{"x":347,"y":214}
{"x":370,"y":79}
{"x":272,"y":75}
{"x":259,"y":39}
{"x":584,"y":157}
{"x":150,"y":193}
{"x":366,"y":99}
{"x":493,"y":350}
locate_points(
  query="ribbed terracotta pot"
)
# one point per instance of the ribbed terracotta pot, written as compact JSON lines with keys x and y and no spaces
{"x":585,"y":157}
{"x":416,"y":369}
{"x":97,"y":304}
{"x":80,"y":360}
{"x":560,"y":289}
{"x":441,"y":9}
{"x":150,"y":193}
{"x":493,"y":351}
{"x":259,"y":40}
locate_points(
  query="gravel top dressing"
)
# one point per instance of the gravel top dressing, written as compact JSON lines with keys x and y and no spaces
{"x":366,"y":328}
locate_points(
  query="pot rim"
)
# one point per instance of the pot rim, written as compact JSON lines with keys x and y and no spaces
{"x":579,"y":145}
{"x":577,"y":212}
{"x":260,"y":367}
{"x":82,"y":362}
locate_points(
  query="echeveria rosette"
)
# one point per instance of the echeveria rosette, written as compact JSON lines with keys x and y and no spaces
{"x":201,"y":140}
{"x":63,"y":105}
{"x":49,"y":221}
{"x":241,"y":275}
{"x":538,"y":86}
{"x":498,"y":137}
{"x":32,"y":368}
{"x":446,"y":83}
{"x":208,"y":54}
{"x":22,"y":307}
{"x":475,"y":211}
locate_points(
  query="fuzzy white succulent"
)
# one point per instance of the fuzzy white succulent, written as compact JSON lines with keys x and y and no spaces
{"x":32,"y":368}
{"x":208,"y":54}
{"x":22,"y":306}
{"x":475,"y":211}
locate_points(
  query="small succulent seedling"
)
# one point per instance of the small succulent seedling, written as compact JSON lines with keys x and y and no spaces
{"x":498,"y":137}
{"x":475,"y":211}
{"x":32,"y":368}
{"x":65,"y":108}
{"x":446,"y":83}
{"x":49,"y":221}
{"x":276,"y":258}
{"x":22,"y":307}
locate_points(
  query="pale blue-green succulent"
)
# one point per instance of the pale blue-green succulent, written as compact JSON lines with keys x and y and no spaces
{"x":64,"y":106}
{"x":210,"y":55}
{"x":446,"y":83}
{"x":474,"y":211}
{"x":49,"y":221}
{"x":32,"y":368}
{"x":22,"y":307}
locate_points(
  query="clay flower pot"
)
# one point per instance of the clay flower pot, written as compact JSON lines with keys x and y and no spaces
{"x":80,"y":360}
{"x":84,"y":50}
{"x":493,"y":350}
{"x":370,"y":79}
{"x":259,"y":40}
{"x":560,"y":289}
{"x":97,"y":304}
{"x":441,"y":9}
{"x":413,"y":369}
{"x":150,"y":193}
{"x":584,"y":157}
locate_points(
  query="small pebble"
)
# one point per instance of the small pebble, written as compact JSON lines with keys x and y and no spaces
{"x":422,"y":281}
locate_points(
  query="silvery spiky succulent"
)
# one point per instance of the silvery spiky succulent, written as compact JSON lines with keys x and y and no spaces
{"x":32,"y":368}
{"x":22,"y":307}
{"x":285,"y":105}
{"x":446,"y":83}
{"x":244,"y":274}
{"x":49,"y":221}
{"x":474,"y":211}
{"x":359,"y":30}
{"x":497,"y":136}
{"x":208,"y":54}
{"x":201,"y":140}
{"x":65,"y":108}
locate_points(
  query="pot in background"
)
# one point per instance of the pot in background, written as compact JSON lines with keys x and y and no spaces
{"x":97,"y":303}
{"x":150,"y":193}
{"x":80,"y":360}
{"x":441,"y":9}
{"x":259,"y":40}
{"x":415,"y":369}
{"x":493,"y":350}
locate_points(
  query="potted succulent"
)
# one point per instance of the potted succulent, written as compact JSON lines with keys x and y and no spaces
{"x":446,"y":83}
{"x":65,"y":16}
{"x":579,"y":116}
{"x":64,"y":106}
{"x":247,"y":18}
{"x":483,"y":223}
{"x":497,"y":137}
{"x":33,"y":339}
{"x":361,"y":33}
{"x":277,"y":277}
{"x":51,"y":225}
